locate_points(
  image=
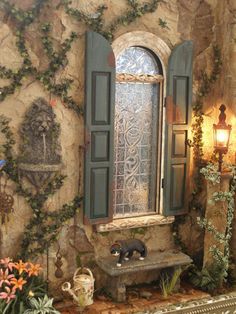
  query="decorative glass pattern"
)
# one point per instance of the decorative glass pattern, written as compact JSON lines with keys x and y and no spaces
{"x":137,"y":60}
{"x":135,"y":148}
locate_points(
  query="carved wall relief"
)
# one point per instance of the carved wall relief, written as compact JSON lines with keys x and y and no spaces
{"x":40,"y":156}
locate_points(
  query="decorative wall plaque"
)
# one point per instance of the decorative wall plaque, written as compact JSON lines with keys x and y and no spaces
{"x":40,"y":156}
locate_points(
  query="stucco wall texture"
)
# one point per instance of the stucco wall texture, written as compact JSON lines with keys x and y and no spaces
{"x":206,"y":22}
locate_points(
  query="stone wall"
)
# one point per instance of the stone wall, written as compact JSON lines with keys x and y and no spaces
{"x":203,"y":21}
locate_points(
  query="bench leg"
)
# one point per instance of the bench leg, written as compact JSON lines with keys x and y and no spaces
{"x":117,"y":289}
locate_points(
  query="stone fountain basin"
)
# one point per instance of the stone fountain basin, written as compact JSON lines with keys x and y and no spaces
{"x":40,"y":167}
{"x":39,"y":174}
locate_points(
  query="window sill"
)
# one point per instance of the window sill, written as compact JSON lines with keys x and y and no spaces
{"x":135,"y":222}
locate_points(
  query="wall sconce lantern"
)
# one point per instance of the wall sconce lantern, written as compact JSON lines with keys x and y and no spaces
{"x":221,"y":135}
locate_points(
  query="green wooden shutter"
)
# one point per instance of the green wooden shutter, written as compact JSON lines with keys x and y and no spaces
{"x":178,"y":122}
{"x":99,"y":129}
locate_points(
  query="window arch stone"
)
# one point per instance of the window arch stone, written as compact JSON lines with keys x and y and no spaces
{"x":146,"y":40}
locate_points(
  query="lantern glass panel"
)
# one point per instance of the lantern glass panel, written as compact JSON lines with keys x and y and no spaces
{"x":222,"y":137}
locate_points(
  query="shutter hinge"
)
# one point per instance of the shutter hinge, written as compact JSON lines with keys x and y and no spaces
{"x":162,"y":183}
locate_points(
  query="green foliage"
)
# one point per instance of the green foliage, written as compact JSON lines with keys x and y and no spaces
{"x":22,"y":19}
{"x":96,"y":21}
{"x":205,"y":86}
{"x":231,"y":279}
{"x":6,"y":149}
{"x":163,"y":23}
{"x":168,"y":284}
{"x":44,"y":226}
{"x":206,"y":83}
{"x":41,"y":306}
{"x":58,"y":59}
{"x":212,"y":276}
{"x":206,"y":279}
{"x":19,"y":282}
{"x":211,"y":173}
{"x":137,"y":231}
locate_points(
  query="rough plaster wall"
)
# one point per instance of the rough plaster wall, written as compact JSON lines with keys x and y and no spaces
{"x":187,"y":19}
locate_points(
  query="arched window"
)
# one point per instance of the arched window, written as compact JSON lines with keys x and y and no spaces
{"x":147,"y":134}
{"x":138,"y":128}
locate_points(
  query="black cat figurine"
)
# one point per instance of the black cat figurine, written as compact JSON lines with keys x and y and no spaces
{"x":125,"y":249}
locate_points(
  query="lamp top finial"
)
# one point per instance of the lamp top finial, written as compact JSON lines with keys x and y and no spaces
{"x":222,"y":115}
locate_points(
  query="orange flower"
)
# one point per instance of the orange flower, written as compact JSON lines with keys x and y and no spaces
{"x":18,"y":283}
{"x":33,"y":269}
{"x":21,"y":267}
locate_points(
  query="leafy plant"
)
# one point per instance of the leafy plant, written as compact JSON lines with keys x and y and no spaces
{"x":168,"y":284}
{"x":221,"y":256}
{"x":205,"y":86}
{"x":211,"y":173}
{"x":36,"y":239}
{"x":19,"y":282}
{"x":41,"y":306}
{"x":207,"y":279}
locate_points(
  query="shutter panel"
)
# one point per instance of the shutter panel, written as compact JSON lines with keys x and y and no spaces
{"x":99,"y":129}
{"x":178,"y":122}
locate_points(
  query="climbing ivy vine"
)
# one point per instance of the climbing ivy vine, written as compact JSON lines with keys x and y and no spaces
{"x":212,"y":276}
{"x":96,"y":21}
{"x":58,"y":59}
{"x":205,"y":85}
{"x":45,"y":225}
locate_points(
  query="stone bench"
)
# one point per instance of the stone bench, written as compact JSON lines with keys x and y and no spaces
{"x":154,"y":261}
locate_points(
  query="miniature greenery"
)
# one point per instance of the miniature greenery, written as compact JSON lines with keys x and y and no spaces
{"x":168,"y":282}
{"x":57,"y":60}
{"x":44,"y":225}
{"x":41,"y":306}
{"x":96,"y":21}
{"x":212,"y":276}
{"x":205,"y":85}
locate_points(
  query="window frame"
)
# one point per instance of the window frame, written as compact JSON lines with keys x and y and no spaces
{"x":99,"y":128}
{"x":158,"y":80}
{"x":161,"y":52}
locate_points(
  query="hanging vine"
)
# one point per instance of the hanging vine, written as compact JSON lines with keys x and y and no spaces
{"x":45,"y":225}
{"x":96,"y":23}
{"x":57,"y":60}
{"x":206,"y":84}
{"x":212,"y":276}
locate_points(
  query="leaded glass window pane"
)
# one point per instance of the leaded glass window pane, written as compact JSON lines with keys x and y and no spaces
{"x":137,"y":60}
{"x":137,"y":151}
{"x":135,"y":148}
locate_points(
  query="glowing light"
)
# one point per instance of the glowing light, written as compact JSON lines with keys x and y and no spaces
{"x":222,"y":137}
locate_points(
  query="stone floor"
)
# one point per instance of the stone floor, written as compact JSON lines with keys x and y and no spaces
{"x":140,"y":300}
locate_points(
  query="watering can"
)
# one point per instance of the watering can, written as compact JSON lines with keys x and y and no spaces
{"x":83,"y":287}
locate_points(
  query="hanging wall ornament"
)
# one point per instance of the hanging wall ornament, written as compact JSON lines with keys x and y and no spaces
{"x":40,"y":157}
{"x":58,"y":273}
